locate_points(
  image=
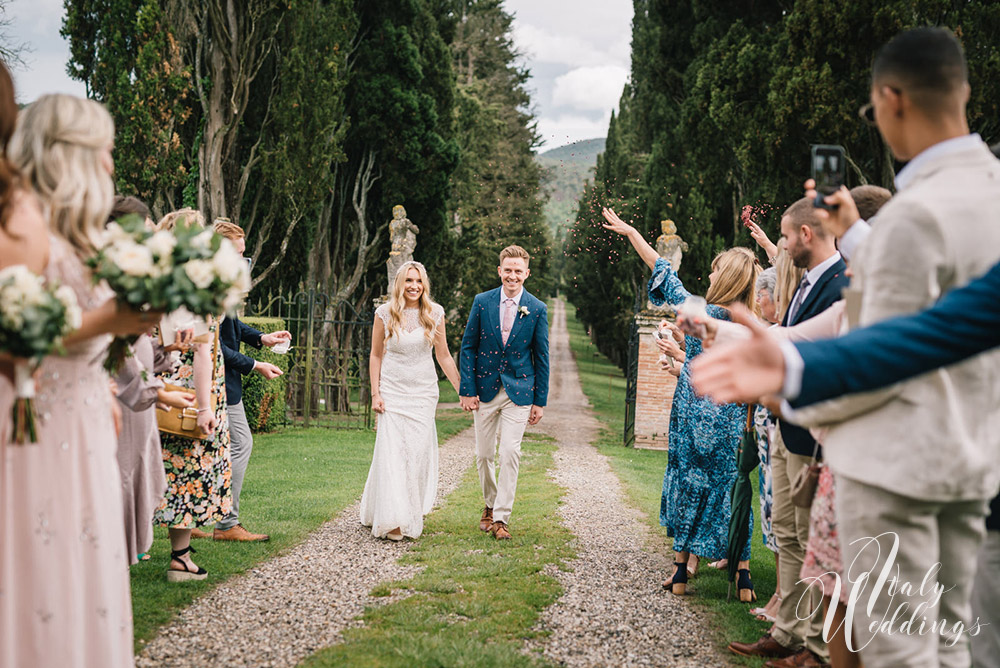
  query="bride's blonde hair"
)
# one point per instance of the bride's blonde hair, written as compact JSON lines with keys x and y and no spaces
{"x":397,"y":302}
{"x":57,"y":148}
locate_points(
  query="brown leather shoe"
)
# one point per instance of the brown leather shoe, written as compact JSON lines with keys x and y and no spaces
{"x":804,"y":658}
{"x":486,"y":521}
{"x":766,"y":647}
{"x":198,"y":533}
{"x":499,"y":531}
{"x":238,"y":533}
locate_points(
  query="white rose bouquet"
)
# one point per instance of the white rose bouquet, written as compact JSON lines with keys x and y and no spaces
{"x":34,"y":317}
{"x":163,"y":271}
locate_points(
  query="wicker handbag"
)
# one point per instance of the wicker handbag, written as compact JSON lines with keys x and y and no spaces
{"x":184,"y":421}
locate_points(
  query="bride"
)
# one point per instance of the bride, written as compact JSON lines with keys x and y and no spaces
{"x":402,"y":481}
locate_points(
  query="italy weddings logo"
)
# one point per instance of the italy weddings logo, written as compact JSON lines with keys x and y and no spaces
{"x":881,"y":601}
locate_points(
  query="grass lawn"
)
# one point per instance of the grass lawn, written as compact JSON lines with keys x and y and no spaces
{"x":297,"y":480}
{"x":641,"y":472}
{"x":476,"y":600}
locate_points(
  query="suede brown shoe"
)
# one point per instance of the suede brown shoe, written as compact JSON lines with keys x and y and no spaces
{"x":499,"y":531}
{"x":766,"y":647}
{"x":238,"y":533}
{"x":804,"y":658}
{"x":486,"y":521}
{"x":198,"y":533}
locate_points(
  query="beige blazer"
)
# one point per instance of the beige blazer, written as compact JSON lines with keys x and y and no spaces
{"x":935,"y":437}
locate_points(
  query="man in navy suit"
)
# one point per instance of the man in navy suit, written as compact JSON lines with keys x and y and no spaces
{"x":231,"y":333}
{"x":505,"y":381}
{"x":798,"y":636}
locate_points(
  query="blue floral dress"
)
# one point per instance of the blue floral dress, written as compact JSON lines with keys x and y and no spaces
{"x":701,"y":461}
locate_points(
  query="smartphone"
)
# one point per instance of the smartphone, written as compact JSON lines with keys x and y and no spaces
{"x":828,"y":170}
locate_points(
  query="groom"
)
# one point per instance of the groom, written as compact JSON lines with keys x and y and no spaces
{"x":505,"y":380}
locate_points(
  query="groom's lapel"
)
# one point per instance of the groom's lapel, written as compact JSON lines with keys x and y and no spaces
{"x":526,"y":301}
{"x":493,"y":314}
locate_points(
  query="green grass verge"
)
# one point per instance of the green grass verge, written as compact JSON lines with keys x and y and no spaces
{"x":641,"y":473}
{"x":448,"y":393}
{"x":297,"y":480}
{"x":477,"y":600}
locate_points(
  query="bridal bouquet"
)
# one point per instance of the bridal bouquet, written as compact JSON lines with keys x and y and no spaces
{"x":33,"y":319}
{"x":163,"y":271}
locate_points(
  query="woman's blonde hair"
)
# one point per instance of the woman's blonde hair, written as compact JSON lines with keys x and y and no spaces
{"x":737,"y":270}
{"x":789,"y":277}
{"x":397,"y":302}
{"x":186,"y":216}
{"x":57,"y":148}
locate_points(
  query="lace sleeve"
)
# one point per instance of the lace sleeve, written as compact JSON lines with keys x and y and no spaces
{"x":383,"y":312}
{"x":437,"y":313}
{"x":665,"y":286}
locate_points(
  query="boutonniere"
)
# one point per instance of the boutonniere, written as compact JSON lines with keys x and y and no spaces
{"x":523,"y":311}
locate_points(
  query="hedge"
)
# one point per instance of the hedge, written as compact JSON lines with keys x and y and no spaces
{"x":263,"y":399}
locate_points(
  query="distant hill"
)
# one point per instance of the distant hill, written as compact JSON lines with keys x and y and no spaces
{"x":566,"y":169}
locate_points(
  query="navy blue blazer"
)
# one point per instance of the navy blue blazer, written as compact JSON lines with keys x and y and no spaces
{"x":231,"y":333}
{"x":521,"y":367}
{"x":822,"y":296}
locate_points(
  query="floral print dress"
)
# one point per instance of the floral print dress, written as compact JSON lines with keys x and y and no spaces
{"x":695,"y":504}
{"x":199,"y":473}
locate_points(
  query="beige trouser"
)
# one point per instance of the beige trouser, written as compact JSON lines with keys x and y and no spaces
{"x":795,"y":627}
{"x":502,"y":417}
{"x":938,"y":542}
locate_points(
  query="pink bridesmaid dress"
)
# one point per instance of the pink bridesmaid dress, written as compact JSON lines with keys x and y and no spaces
{"x":64,"y":583}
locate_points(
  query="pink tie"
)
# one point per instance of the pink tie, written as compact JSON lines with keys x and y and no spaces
{"x":508,"y":319}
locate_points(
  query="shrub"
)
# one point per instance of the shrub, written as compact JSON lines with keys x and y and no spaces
{"x":263,"y":399}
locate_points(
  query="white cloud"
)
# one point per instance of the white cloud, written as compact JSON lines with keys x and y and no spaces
{"x":590,"y":88}
{"x":565,"y":129}
{"x":46,"y":74}
{"x":542,"y":46}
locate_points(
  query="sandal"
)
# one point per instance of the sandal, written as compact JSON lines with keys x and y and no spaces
{"x":677,"y":583}
{"x":185,"y":573}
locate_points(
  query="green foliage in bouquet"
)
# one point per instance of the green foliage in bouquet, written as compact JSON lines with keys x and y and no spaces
{"x":34,"y":317}
{"x":188,"y":267}
{"x":263,"y":399}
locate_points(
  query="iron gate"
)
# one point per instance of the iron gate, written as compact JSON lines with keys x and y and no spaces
{"x":327,"y":378}
{"x":631,"y":383}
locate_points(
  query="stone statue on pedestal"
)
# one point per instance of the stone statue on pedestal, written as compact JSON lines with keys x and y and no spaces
{"x":403,"y":236}
{"x":670,"y":247}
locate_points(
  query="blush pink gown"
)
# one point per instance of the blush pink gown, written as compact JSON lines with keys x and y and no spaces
{"x":64,"y":583}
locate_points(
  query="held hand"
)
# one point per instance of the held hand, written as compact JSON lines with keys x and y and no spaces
{"x":616,"y":224}
{"x":838,"y":221}
{"x":175,"y":399}
{"x":741,"y":372}
{"x":125,"y":321}
{"x":536,"y":415}
{"x":669,"y":347}
{"x":469,"y":403}
{"x":207,"y":422}
{"x":377,"y":404}
{"x":182,"y":340}
{"x":274,"y":338}
{"x":268,"y":370}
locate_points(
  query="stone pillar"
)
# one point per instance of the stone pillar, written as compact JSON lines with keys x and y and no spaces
{"x":654,"y":387}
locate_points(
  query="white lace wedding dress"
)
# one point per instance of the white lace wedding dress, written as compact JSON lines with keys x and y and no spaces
{"x":402,"y":481}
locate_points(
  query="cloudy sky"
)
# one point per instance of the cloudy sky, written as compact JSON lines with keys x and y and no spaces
{"x":577,"y":51}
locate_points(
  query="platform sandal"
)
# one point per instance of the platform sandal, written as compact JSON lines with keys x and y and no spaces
{"x":183,"y":574}
{"x":677,"y":584}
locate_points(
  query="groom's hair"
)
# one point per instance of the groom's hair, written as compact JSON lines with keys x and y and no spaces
{"x":514,"y":251}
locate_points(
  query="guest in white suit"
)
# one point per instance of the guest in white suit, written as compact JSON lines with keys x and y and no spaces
{"x":919,"y":460}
